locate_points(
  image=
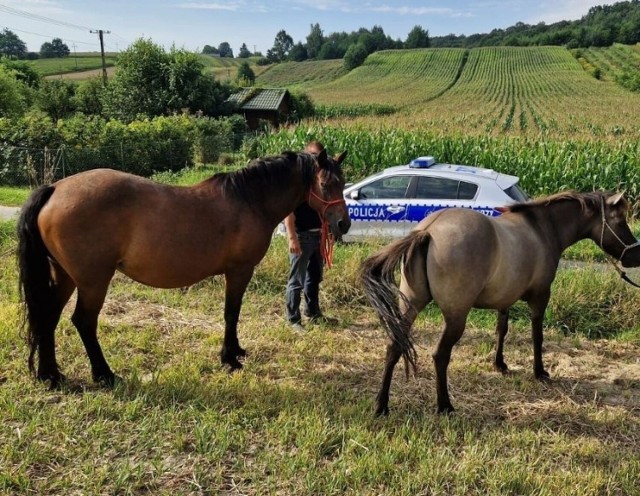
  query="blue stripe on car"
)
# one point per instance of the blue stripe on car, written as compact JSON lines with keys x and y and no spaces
{"x":411,"y":213}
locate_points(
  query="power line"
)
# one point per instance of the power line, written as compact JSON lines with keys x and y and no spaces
{"x":50,"y":36}
{"x":37,"y":17}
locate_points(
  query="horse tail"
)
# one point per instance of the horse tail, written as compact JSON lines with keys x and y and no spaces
{"x":378,"y":279}
{"x":35,"y":280}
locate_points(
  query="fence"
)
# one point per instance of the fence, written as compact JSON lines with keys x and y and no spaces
{"x":33,"y":166}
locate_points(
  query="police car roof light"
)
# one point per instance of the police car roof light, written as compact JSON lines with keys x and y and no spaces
{"x":422,"y":162}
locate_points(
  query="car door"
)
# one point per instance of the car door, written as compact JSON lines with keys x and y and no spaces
{"x":431,"y":193}
{"x":380,"y":208}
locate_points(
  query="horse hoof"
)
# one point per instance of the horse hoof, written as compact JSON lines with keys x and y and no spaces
{"x":241,"y":352}
{"x":543,"y":376}
{"x":446,"y":410}
{"x":109,"y":380}
{"x":55,"y":379}
{"x":382,"y":411}
{"x":502,"y":368}
{"x":234,"y":365}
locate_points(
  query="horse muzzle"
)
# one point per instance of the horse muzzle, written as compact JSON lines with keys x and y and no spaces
{"x":631,"y":255}
{"x":339,"y":223}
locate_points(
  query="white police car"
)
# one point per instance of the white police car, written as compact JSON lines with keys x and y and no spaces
{"x":390,"y":203}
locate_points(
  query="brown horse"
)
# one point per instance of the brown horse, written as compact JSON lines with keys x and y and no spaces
{"x":461,"y":259}
{"x":77,"y":232}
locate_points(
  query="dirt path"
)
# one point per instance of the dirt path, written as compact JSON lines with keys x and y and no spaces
{"x":81,"y":75}
{"x":7,"y":213}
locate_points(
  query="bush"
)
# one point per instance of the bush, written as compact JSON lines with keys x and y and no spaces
{"x":355,"y":56}
{"x":56,"y":98}
{"x":35,"y":148}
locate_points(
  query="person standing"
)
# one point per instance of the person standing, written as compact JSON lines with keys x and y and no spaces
{"x":306,"y":266}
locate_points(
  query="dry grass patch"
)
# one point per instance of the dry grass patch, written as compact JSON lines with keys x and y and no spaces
{"x":298,"y":419}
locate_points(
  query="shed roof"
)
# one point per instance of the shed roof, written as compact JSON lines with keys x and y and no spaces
{"x":259,"y":98}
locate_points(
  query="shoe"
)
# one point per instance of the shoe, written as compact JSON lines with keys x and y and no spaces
{"x":297,"y":326}
{"x":321,"y":319}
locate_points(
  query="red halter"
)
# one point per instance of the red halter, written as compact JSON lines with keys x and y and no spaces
{"x":326,"y":238}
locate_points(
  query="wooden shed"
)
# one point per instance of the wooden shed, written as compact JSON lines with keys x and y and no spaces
{"x":262,"y":104}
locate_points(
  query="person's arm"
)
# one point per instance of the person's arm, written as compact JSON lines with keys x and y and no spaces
{"x":294,"y":242}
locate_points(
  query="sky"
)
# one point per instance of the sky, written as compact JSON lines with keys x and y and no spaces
{"x":191,"y":25}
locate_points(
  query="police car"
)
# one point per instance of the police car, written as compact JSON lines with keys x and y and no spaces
{"x":390,"y":203}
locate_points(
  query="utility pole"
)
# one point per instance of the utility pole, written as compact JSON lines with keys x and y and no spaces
{"x":101,"y":32}
{"x":75,"y":56}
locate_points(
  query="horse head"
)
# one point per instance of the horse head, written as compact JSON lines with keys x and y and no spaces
{"x":612,"y":232}
{"x":326,"y":193}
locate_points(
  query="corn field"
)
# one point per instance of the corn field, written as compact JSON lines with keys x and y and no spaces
{"x":541,"y":92}
{"x":544,"y":166}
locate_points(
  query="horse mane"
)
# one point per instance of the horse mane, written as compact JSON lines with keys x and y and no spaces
{"x":587,"y":201}
{"x":262,"y":176}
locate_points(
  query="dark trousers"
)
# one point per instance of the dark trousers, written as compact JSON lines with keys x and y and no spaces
{"x":305,"y":275}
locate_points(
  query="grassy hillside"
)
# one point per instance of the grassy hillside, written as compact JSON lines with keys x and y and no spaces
{"x":226,"y":69}
{"x":500,"y":90}
{"x":301,"y":75}
{"x":534,"y":90}
{"x":611,"y":61}
{"x":86,"y":65}
{"x":73,"y":63}
{"x":400,"y":78}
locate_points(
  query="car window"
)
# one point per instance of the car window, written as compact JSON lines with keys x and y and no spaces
{"x":516,"y":193}
{"x":440,"y":188}
{"x":392,"y":187}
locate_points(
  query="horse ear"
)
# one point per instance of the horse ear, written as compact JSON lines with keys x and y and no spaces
{"x":613,"y":200}
{"x":322,"y":159}
{"x":340,"y":158}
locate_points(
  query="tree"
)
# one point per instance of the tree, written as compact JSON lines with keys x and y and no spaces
{"x":140,"y":84}
{"x":11,"y":45}
{"x":225,"y":50}
{"x":23,"y":71}
{"x":209,"y":50}
{"x":152,"y":82}
{"x":54,"y":49}
{"x":282,"y":45}
{"x":355,"y":56}
{"x":417,"y":38}
{"x":298,"y":53}
{"x":88,"y":97}
{"x":12,"y":102}
{"x":56,"y":98}
{"x":246,"y":76}
{"x":315,"y":39}
{"x":244,"y":52}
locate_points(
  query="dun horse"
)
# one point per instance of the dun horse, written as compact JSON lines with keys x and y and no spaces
{"x":78,"y":231}
{"x":461,"y":260}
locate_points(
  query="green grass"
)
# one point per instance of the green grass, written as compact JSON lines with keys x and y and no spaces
{"x":301,"y":75}
{"x":13,"y":196}
{"x":298,"y":418}
{"x":79,"y":62}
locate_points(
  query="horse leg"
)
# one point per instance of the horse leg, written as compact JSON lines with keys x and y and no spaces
{"x":85,"y":318}
{"x":417,"y":299}
{"x":454,"y":327}
{"x":502,"y":327}
{"x":382,"y":400}
{"x":538,"y":305}
{"x":236,"y":282}
{"x":63,"y":287}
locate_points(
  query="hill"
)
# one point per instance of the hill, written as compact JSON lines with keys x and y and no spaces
{"x":86,"y":65}
{"x":619,"y":63}
{"x":79,"y":62}
{"x":496,"y":90}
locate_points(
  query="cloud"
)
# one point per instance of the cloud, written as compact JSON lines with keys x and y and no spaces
{"x":550,"y":12}
{"x":413,"y":10}
{"x":233,"y":7}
